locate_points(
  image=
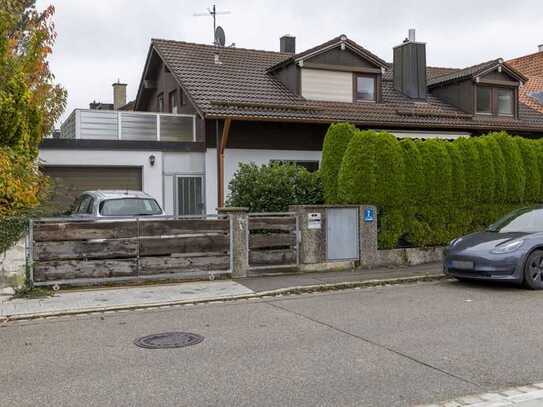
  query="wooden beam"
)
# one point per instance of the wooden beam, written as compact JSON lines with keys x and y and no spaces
{"x":221,"y":148}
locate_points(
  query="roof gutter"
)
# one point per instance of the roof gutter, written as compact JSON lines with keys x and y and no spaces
{"x":481,"y":127}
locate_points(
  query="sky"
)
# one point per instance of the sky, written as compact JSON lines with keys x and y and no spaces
{"x":102,"y":41}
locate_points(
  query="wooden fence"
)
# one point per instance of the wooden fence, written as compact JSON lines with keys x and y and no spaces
{"x":273,"y":240}
{"x":129,"y":249}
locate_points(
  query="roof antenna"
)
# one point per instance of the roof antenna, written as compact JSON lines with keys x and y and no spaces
{"x":218,"y":32}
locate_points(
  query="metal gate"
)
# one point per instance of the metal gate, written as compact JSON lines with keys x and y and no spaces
{"x":342,"y":234}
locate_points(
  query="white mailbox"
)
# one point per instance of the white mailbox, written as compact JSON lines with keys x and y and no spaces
{"x":313,"y":220}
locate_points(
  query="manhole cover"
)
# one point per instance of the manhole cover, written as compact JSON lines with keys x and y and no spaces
{"x":169,"y":340}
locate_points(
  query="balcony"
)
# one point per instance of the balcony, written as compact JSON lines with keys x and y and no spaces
{"x":83,"y":124}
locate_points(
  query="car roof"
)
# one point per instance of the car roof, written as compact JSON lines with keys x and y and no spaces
{"x":117,"y":194}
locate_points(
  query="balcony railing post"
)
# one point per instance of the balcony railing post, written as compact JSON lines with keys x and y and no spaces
{"x":157,"y":127}
{"x":77,"y":124}
{"x":119,"y":126}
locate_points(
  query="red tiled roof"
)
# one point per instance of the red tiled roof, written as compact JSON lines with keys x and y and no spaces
{"x":241,"y":87}
{"x":531,"y":66}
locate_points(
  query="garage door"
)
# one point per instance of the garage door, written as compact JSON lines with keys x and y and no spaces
{"x":69,"y":182}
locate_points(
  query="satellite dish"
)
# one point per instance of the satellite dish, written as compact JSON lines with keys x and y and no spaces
{"x":220,"y":38}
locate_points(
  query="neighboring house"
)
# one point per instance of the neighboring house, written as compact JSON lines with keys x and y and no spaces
{"x":200,"y":110}
{"x":531,"y":66}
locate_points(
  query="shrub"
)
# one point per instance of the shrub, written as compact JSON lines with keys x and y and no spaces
{"x":472,"y":169}
{"x":390,"y":171}
{"x":413,"y":175}
{"x":487,"y":178}
{"x":272,"y":188}
{"x":336,"y":140}
{"x":538,"y":146}
{"x":515,"y":175}
{"x":358,"y":173}
{"x":500,"y":176}
{"x":529,"y":153}
{"x":437,"y":188}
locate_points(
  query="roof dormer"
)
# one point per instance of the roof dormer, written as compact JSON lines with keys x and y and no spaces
{"x":487,"y":89}
{"x":339,"y":71}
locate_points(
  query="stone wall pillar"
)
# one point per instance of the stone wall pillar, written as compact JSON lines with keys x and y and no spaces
{"x":239,"y":240}
{"x":312,"y":241}
{"x":368,"y":237}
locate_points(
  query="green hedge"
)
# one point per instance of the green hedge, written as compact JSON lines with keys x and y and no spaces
{"x":428,"y":192}
{"x":272,"y":188}
{"x":337,"y":138}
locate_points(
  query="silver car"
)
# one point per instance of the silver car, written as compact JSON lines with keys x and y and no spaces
{"x":115,"y":204}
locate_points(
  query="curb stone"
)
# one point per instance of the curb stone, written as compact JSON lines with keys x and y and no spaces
{"x":317,"y":288}
{"x":502,"y":398}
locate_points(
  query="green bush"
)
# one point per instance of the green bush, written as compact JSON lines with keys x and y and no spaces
{"x":428,"y":192}
{"x":515,"y":175}
{"x":272,"y":188}
{"x":358,"y":173}
{"x":336,"y":140}
{"x":472,"y":168}
{"x":413,"y":173}
{"x":530,"y":156}
{"x":538,"y":146}
{"x":487,"y":179}
{"x":500,"y":174}
{"x":390,"y":171}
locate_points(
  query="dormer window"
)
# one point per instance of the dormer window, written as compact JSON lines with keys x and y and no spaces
{"x":484,"y":100}
{"x":495,"y":101}
{"x":506,"y":101}
{"x":365,"y":88}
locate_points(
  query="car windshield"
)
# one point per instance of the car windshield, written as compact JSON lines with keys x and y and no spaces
{"x":130,"y":207}
{"x":526,"y":220}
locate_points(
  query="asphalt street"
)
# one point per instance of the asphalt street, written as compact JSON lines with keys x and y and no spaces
{"x":383,"y":346}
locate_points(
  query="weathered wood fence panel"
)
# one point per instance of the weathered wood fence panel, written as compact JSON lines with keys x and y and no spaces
{"x":95,"y":249}
{"x":273,"y":241}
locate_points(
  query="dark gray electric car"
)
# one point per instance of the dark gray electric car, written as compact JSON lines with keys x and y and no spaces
{"x":510,"y":250}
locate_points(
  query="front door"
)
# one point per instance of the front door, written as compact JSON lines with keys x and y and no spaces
{"x":190,"y":196}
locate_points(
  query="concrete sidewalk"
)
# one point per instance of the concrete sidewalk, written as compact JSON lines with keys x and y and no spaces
{"x":110,"y":299}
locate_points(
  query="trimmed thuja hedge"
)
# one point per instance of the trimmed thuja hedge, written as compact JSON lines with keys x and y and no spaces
{"x":429,"y":192}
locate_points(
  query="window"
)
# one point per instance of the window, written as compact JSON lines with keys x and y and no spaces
{"x":310,"y":166}
{"x":85,"y":205}
{"x":495,"y":100}
{"x":172,"y":102}
{"x":484,"y":100}
{"x":505,"y":101}
{"x":160,"y":103}
{"x":190,"y":196}
{"x":130,"y":207}
{"x":181,"y":97}
{"x":365,"y":88}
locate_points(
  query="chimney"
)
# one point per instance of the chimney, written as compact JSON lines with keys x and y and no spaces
{"x":119,"y":95}
{"x":410,"y":67}
{"x":540,"y":48}
{"x":287,"y":43}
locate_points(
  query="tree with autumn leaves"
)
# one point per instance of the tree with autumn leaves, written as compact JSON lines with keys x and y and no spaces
{"x":30,"y":102}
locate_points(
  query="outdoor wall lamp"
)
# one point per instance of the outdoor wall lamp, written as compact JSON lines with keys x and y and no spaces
{"x":152,"y":160}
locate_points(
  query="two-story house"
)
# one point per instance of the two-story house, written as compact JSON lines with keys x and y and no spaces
{"x":201,"y":110}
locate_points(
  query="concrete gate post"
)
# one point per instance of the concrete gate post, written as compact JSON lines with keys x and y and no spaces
{"x":239,"y":240}
{"x":312,"y":241}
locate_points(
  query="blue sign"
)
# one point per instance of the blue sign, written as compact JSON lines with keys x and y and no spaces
{"x":369,"y":215}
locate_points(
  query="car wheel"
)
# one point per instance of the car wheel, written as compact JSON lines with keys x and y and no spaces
{"x":533,"y":271}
